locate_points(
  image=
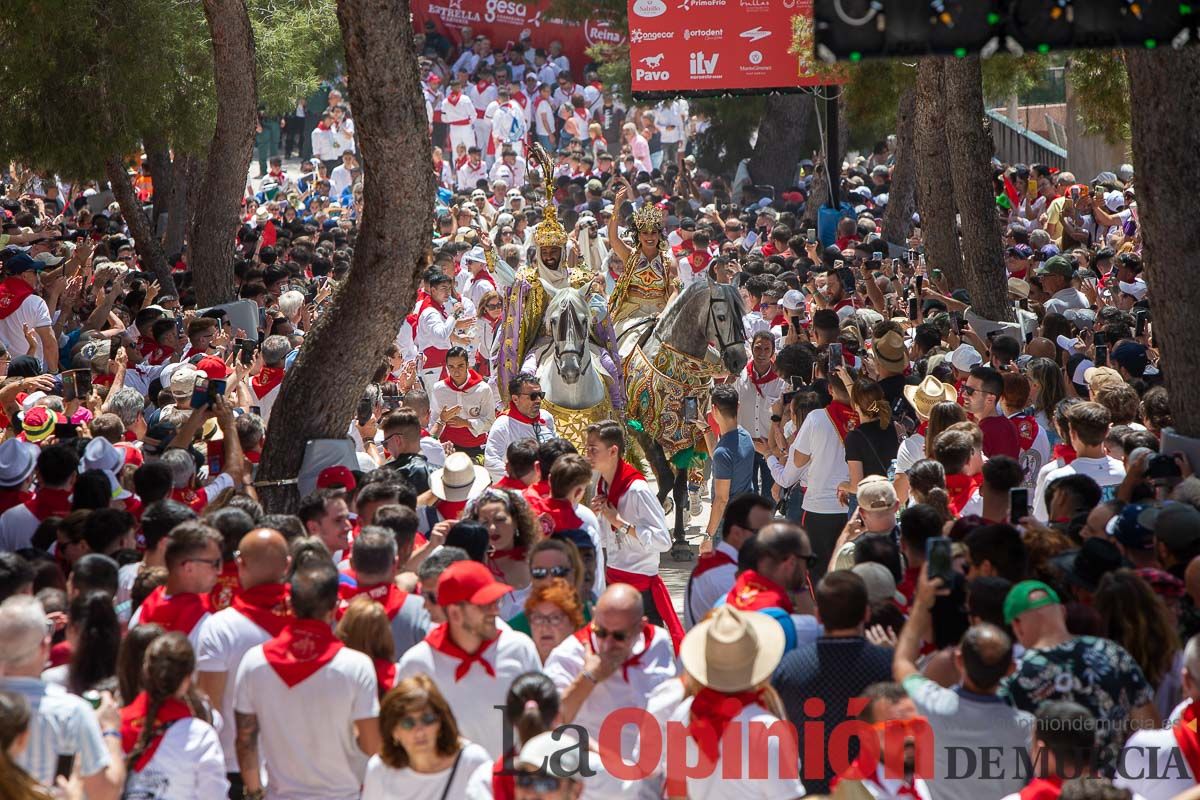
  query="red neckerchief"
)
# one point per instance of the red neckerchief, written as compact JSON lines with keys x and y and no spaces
{"x":227,"y":587}
{"x":47,"y":503}
{"x":1188,"y":739}
{"x":179,"y":612}
{"x":428,"y":302}
{"x":711,"y":714}
{"x":482,"y":86}
{"x":13,"y":291}
{"x":193,"y":499}
{"x":453,"y":97}
{"x":13,"y":497}
{"x":484,"y":275}
{"x":1042,"y":789}
{"x":584,"y":635}
{"x":843,"y":417}
{"x":753,"y":592}
{"x":863,"y":769}
{"x":450,"y":509}
{"x":385,"y":674}
{"x":473,"y":379}
{"x":509,"y":482}
{"x":386,"y":594}
{"x":922,"y":428}
{"x":300,"y":649}
{"x":439,"y":639}
{"x":759,"y":382}
{"x":622,"y":480}
{"x":1027,"y":431}
{"x":133,"y":719}
{"x":1065,"y":453}
{"x":519,"y":417}
{"x":267,"y":605}
{"x":563,"y":512}
{"x":711,"y":560}
{"x":265,"y":381}
{"x":504,"y":784}
{"x":960,"y":488}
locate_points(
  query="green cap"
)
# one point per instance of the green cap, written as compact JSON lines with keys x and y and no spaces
{"x":1021,"y":599}
{"x":1057,"y":265}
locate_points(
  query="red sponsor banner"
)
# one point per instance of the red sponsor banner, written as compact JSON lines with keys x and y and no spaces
{"x":505,"y":21}
{"x":718,"y":45}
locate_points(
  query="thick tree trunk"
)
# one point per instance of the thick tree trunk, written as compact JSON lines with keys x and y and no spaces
{"x":781,"y":134}
{"x":902,"y":195}
{"x":970,"y":165}
{"x":162,"y":172}
{"x":215,"y":222}
{"x":148,"y":248}
{"x":1166,"y":85}
{"x":935,"y":191}
{"x":178,"y":204}
{"x":319,"y":394}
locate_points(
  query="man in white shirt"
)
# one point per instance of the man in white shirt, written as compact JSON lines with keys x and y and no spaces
{"x":758,"y":388}
{"x":820,"y":446}
{"x":458,"y":112}
{"x":715,"y":572}
{"x":313,"y":702}
{"x":1151,"y":761}
{"x":21,"y":307}
{"x":1055,"y":274}
{"x":193,"y":564}
{"x":524,"y":419}
{"x":482,"y":94}
{"x":437,"y":328}
{"x":612,"y":664}
{"x":544,"y":124}
{"x":258,"y":612}
{"x":472,"y":171}
{"x":471,"y":660}
{"x":374,"y":559}
{"x":507,"y":122}
{"x":324,"y":145}
{"x":1088,"y":424}
{"x":342,"y":175}
{"x":632,"y":524}
{"x":463,"y":405}
{"x":669,"y":118}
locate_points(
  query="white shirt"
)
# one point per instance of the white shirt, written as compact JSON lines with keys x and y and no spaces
{"x":188,"y":765}
{"x":469,"y":176}
{"x":819,"y":439}
{"x":638,"y":552}
{"x":224,"y":640}
{"x":306,"y":733}
{"x":506,"y":430}
{"x":32,"y":312}
{"x":704,"y":591}
{"x":754,"y":403}
{"x":340,"y":179}
{"x":1107,"y":471}
{"x":668,"y":120}
{"x":434,"y":329}
{"x":477,"y":405}
{"x":617,"y":691}
{"x":1065,"y":299}
{"x":757,"y":747}
{"x":473,"y":696}
{"x":324,"y":146}
{"x":17,"y":527}
{"x":912,"y":450}
{"x":385,"y":783}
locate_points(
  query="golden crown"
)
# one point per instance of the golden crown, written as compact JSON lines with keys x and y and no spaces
{"x":648,"y":219}
{"x":549,"y":232}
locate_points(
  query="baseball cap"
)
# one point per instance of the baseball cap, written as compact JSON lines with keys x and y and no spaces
{"x":1134,"y":526}
{"x":22,"y":262}
{"x":49,"y":259}
{"x":182,"y":381}
{"x":876,"y":493}
{"x":881,"y":584}
{"x":213,"y":368}
{"x":469,"y":582}
{"x":1092,"y":561}
{"x":792,"y":300}
{"x":1132,"y":356}
{"x":1028,"y":596}
{"x":1136,"y":289}
{"x":552,"y":753}
{"x":687,"y":224}
{"x":1177,"y":526}
{"x":1101,"y":376}
{"x":1056,"y":265}
{"x":337,"y":476}
{"x":1018,"y":287}
{"x":965,"y":357}
{"x":1021,"y":251}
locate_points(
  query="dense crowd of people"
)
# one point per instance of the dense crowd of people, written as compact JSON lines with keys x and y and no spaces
{"x":945,"y":557}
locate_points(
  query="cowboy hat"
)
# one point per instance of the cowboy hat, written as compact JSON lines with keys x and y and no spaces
{"x":928,"y":393}
{"x":732,"y":650}
{"x":459,"y":480}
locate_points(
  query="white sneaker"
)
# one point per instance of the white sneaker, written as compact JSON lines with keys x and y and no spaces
{"x":695,"y":506}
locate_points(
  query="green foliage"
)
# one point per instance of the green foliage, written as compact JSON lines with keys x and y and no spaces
{"x":1099,"y":83}
{"x":298,"y":42}
{"x":88,"y":78}
{"x":1005,"y":75}
{"x":872,"y":97}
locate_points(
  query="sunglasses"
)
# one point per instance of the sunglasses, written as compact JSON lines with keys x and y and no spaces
{"x":215,"y":563}
{"x":424,"y":721}
{"x":543,"y":784}
{"x":551,"y":572}
{"x":533,"y":395}
{"x":620,"y":636}
{"x":970,"y":391}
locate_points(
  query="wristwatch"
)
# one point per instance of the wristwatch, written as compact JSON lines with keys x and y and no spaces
{"x":776,"y":418}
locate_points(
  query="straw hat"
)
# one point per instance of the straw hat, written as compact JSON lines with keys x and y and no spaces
{"x":928,"y":393}
{"x":732,"y":650}
{"x":459,"y":480}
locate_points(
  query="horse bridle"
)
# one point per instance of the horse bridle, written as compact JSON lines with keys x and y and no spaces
{"x":714,"y":301}
{"x":580,"y":351}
